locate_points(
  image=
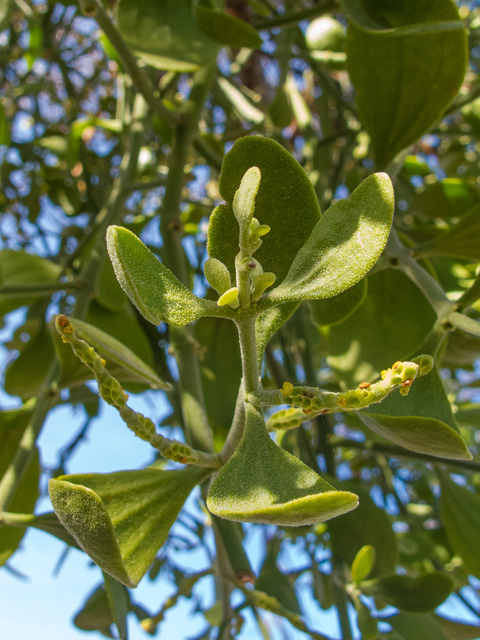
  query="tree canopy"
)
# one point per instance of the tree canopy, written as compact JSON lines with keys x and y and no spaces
{"x":264,"y":215}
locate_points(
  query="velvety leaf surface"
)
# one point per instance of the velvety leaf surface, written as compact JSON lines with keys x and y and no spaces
{"x":153,"y":288}
{"x":366,"y":525}
{"x":410,"y":626}
{"x":422,"y":421}
{"x":12,"y":426}
{"x":227,"y":29}
{"x":460,"y":510}
{"x":343,"y":247}
{"x":263,"y":483}
{"x":417,"y":595}
{"x":339,"y":308}
{"x":106,"y":512}
{"x":165,"y":34}
{"x":270,"y":321}
{"x":285,"y":201}
{"x":96,"y":614}
{"x":406,"y":61}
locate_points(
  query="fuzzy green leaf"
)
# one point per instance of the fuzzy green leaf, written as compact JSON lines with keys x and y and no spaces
{"x":286,"y":202}
{"x":423,"y":593}
{"x":343,"y":247}
{"x":12,"y":425}
{"x":226,"y":29}
{"x":460,"y":241}
{"x":263,"y":483}
{"x":419,"y":422}
{"x":407,"y":61}
{"x":165,"y":34}
{"x":117,"y":353}
{"x":153,"y":289}
{"x":105,"y":512}
{"x":460,"y":509}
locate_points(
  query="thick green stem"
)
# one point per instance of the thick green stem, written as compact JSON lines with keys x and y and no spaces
{"x":248,"y":349}
{"x":294,"y":17}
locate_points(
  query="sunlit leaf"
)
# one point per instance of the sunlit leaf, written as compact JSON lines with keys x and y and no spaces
{"x":263,"y":483}
{"x":105,"y":512}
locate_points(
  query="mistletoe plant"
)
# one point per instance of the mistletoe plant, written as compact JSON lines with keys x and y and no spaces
{"x":270,"y":250}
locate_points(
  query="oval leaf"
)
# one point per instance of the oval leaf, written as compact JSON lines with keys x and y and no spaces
{"x":165,"y":34}
{"x":411,"y":626}
{"x":339,"y":308}
{"x":263,"y":483}
{"x":153,"y":289}
{"x":363,"y":563}
{"x":343,"y":247}
{"x":285,"y":201}
{"x":419,"y":422}
{"x":406,"y":61}
{"x":105,"y":512}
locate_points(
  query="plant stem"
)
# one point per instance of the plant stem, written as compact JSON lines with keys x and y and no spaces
{"x":293,"y":17}
{"x":248,"y":350}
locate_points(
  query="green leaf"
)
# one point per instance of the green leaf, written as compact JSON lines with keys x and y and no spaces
{"x":165,"y":34}
{"x":105,"y":512}
{"x":115,"y":352}
{"x":26,"y":374}
{"x":18,"y":268}
{"x":153,"y":289}
{"x":390,"y":325}
{"x":422,"y":421}
{"x":12,"y":425}
{"x":325,"y":34}
{"x":460,"y":510}
{"x":217,"y":275}
{"x":343,"y":247}
{"x":460,"y":241}
{"x":119,"y":601}
{"x":366,"y":525}
{"x":417,"y":595}
{"x":280,"y":110}
{"x":286,"y":202}
{"x":5,"y":13}
{"x":47,"y":522}
{"x":226,"y":29}
{"x":465,"y":323}
{"x":446,"y":199}
{"x":274,"y":582}
{"x":339,"y":308}
{"x":363,"y":563}
{"x":406,"y":61}
{"x":4,"y":126}
{"x":263,"y":483}
{"x":96,"y":613}
{"x":410,"y":626}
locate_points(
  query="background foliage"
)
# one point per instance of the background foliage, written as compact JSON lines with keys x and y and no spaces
{"x":121,"y":113}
